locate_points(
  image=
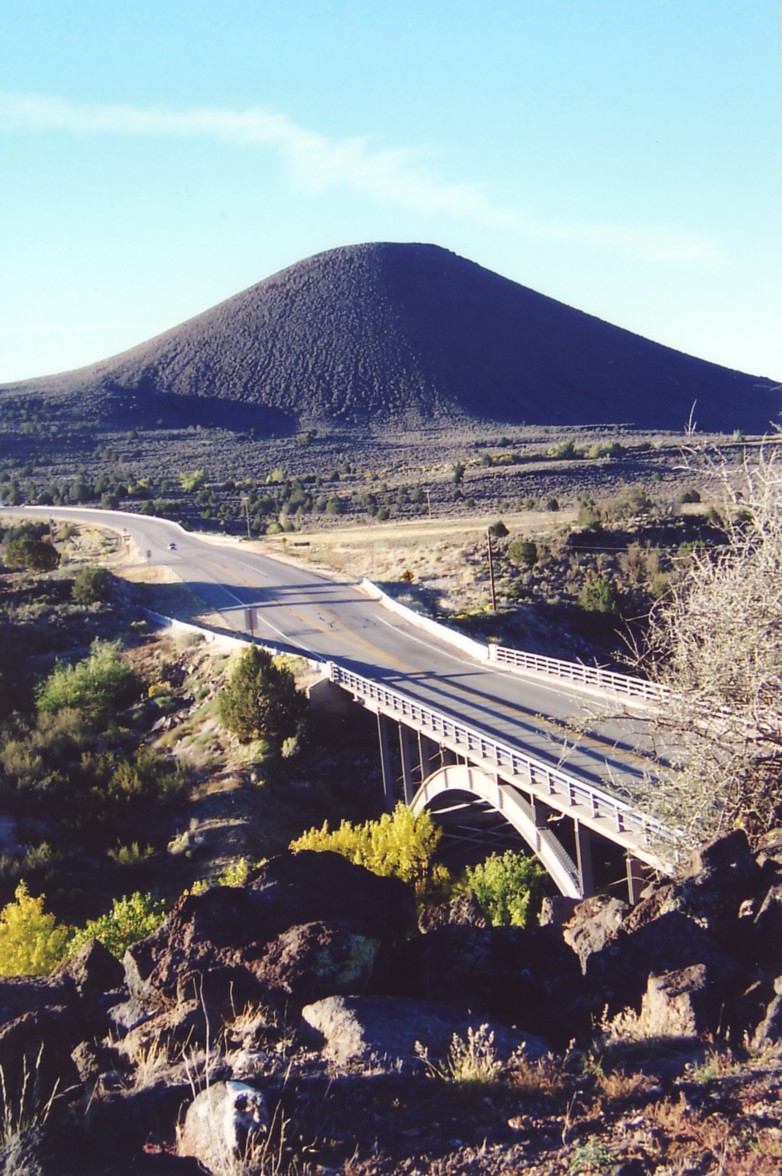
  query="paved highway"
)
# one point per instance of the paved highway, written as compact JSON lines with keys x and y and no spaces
{"x":304,"y":612}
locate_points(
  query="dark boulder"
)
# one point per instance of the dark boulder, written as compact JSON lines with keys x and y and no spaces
{"x":526,"y":978}
{"x":593,"y":924}
{"x":723,"y":874}
{"x":685,"y":1003}
{"x":93,"y":970}
{"x":312,"y":960}
{"x":766,"y":927}
{"x":309,"y":887}
{"x":618,"y":974}
{"x":35,"y":1060}
{"x":464,"y":911}
{"x":30,"y":994}
{"x":242,"y":938}
{"x":769,"y":849}
{"x":769,"y":1031}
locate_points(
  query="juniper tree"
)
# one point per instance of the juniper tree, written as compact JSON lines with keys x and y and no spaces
{"x":260,"y":700}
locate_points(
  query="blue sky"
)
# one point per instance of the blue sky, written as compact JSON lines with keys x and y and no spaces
{"x":157,"y":156}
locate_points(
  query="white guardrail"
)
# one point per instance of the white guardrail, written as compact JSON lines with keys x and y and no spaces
{"x":592,"y":676}
{"x":562,"y":791}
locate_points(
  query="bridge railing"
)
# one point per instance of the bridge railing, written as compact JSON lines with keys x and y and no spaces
{"x":562,"y":791}
{"x":516,"y":659}
{"x":581,"y":674}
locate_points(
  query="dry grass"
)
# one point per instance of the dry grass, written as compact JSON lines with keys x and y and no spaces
{"x":619,"y":1086}
{"x":542,"y":1078}
{"x":30,"y":1104}
{"x":445,"y":556}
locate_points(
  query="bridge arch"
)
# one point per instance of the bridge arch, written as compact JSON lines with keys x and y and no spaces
{"x":468,"y":780}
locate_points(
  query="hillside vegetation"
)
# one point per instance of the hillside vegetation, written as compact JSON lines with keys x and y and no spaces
{"x":643,"y":1040}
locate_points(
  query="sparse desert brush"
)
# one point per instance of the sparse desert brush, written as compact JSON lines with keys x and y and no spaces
{"x":538,"y":1078}
{"x":471,"y":1060}
{"x":619,"y":1085}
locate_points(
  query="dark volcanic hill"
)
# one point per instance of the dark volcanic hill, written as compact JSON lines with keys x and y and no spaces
{"x":392,"y":335}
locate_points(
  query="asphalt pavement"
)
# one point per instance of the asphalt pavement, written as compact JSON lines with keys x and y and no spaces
{"x":303,"y":611}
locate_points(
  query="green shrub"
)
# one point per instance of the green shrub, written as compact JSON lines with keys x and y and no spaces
{"x":599,"y":595}
{"x":509,"y":888}
{"x":565,"y":449}
{"x":121,"y":790}
{"x":523,"y":551}
{"x":130,"y":919}
{"x":588,"y":514}
{"x":192,"y":480}
{"x":97,"y":686}
{"x":91,"y":586}
{"x":398,"y":844}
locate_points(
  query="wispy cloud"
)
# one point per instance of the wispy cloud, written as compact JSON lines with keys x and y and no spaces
{"x":317,"y":163}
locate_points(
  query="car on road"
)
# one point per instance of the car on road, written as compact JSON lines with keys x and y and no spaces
{"x":172,"y":547}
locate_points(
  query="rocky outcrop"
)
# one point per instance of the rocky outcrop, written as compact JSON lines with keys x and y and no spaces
{"x":315,"y":971}
{"x":389,"y":1033}
{"x":528,"y":978}
{"x":303,"y":927}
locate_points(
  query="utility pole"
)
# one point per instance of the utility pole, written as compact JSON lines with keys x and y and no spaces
{"x":428,"y":501}
{"x":491,"y":572}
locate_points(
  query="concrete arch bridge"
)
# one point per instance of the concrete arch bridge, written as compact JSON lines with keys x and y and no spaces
{"x":489,"y":794}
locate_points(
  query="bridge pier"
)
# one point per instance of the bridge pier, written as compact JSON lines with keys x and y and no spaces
{"x":540,"y":812}
{"x":430,"y":754}
{"x":409,"y":784}
{"x":383,"y":723}
{"x":636,"y":879}
{"x":586,"y":873}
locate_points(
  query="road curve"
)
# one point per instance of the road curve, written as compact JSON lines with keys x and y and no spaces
{"x":306,"y":612}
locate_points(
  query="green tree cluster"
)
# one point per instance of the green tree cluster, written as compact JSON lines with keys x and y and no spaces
{"x":31,"y":554}
{"x":33,"y":943}
{"x":131,"y":918}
